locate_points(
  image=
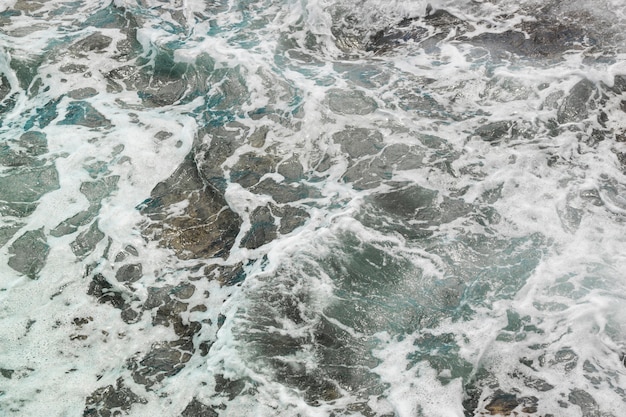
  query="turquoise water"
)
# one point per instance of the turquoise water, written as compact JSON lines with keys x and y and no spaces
{"x":312,"y":208}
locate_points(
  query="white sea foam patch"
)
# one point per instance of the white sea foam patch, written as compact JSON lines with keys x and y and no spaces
{"x":416,"y":390}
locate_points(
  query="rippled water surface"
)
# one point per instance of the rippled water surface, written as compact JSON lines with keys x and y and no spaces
{"x":312,"y":208}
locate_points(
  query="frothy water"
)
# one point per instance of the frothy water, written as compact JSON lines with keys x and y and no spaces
{"x":312,"y":208}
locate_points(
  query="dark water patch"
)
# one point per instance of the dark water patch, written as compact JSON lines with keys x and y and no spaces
{"x":29,"y":253}
{"x":162,"y":81}
{"x":494,"y":131}
{"x":74,"y":69}
{"x":291,"y":169}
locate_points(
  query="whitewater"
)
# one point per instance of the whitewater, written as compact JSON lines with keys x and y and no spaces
{"x":312,"y":208}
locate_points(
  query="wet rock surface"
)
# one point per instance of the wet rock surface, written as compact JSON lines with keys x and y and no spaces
{"x":201,"y":225}
{"x":112,"y":400}
{"x":197,"y":409}
{"x":20,"y":188}
{"x":29,"y":253}
{"x":539,"y":38}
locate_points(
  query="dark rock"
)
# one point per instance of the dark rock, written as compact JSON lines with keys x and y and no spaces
{"x":34,"y":143}
{"x":230,"y":388}
{"x":586,"y":402}
{"x":262,"y":230}
{"x":494,"y":131}
{"x":427,"y":31}
{"x":290,"y":217}
{"x":503,"y":404}
{"x":575,"y":106}
{"x":547,"y":40}
{"x":28,"y":184}
{"x":225,"y":274}
{"x":7,"y":232}
{"x":111,"y":401}
{"x":350,"y":102}
{"x":93,"y":42}
{"x":82,"y":93}
{"x":129,"y":273}
{"x":95,"y":191}
{"x":291,"y":169}
{"x":74,"y":69}
{"x":103,"y":290}
{"x":196,"y":409}
{"x":222,"y":143}
{"x":86,"y":241}
{"x":29,"y":253}
{"x":206,"y":228}
{"x":72,"y":224}
{"x":358,"y":142}
{"x":283,"y":192}
{"x":164,"y":360}
{"x":250,"y":168}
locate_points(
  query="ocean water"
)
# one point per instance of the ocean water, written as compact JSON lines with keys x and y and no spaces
{"x":312,"y":208}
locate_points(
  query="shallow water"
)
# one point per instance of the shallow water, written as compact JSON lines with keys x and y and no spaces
{"x":312,"y":208}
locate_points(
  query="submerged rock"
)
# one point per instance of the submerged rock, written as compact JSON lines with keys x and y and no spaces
{"x":358,"y":142}
{"x":112,"y":400}
{"x":541,"y":38}
{"x":164,"y":360}
{"x":196,"y":409}
{"x":29,"y":253}
{"x":575,"y":107}
{"x":190,"y":217}
{"x":350,"y":102}
{"x":426,"y":30}
{"x":546,"y":39}
{"x":86,"y":241}
{"x":262,"y":230}
{"x":27,"y":185}
{"x":84,"y":114}
{"x":93,"y":42}
{"x":34,"y":143}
